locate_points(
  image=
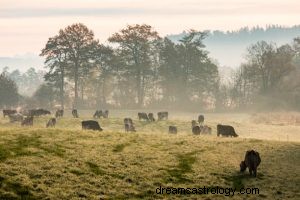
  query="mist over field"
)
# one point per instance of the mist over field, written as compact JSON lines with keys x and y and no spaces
{"x":138,"y":99}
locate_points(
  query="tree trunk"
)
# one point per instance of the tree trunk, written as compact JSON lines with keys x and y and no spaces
{"x":76,"y":84}
{"x":62,"y":89}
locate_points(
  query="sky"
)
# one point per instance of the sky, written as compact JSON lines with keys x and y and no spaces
{"x":26,"y":25}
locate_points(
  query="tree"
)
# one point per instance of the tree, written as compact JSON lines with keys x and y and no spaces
{"x":55,"y":52}
{"x":45,"y":96}
{"x":135,"y":42}
{"x":8,"y":91}
{"x":71,"y":53}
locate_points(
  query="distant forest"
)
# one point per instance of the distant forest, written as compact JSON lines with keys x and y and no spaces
{"x":140,"y":69}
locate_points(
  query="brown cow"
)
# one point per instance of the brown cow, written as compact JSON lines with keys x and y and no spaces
{"x":173,"y":129}
{"x":51,"y":123}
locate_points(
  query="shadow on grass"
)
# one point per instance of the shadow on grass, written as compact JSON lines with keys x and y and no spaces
{"x":19,"y":147}
{"x":120,"y":147}
{"x":177,"y":174}
{"x":94,"y":168}
{"x":14,"y":190}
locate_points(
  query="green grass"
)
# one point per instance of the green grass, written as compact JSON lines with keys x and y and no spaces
{"x":68,"y":163}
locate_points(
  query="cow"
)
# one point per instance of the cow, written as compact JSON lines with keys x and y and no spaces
{"x":252,"y":161}
{"x":129,"y":128}
{"x":162,"y":115}
{"x":91,"y":125}
{"x":97,"y":114}
{"x":196,"y":130}
{"x":38,"y":112}
{"x":200,"y":119}
{"x":8,"y":112}
{"x":151,"y":117}
{"x":143,"y":116}
{"x":75,"y":113}
{"x":28,"y":121}
{"x":17,"y":117}
{"x":51,"y":123}
{"x":194,"y":123}
{"x":59,"y":113}
{"x":226,"y":130}
{"x":206,"y":130}
{"x":172,"y":129}
{"x":128,"y":121}
{"x":105,"y":114}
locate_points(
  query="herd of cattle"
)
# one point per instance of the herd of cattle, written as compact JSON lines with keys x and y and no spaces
{"x":26,"y":118}
{"x":251,"y":161}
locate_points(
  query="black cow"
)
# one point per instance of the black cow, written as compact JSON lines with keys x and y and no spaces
{"x":162,"y":115}
{"x":91,"y":125}
{"x":151,"y":117}
{"x":252,"y":161}
{"x":196,"y":130}
{"x":225,"y":130}
{"x":59,"y":113}
{"x":28,"y":121}
{"x":8,"y":112}
{"x":51,"y":123}
{"x":38,"y":112}
{"x":75,"y":113}
{"x":200,"y":119}
{"x":173,"y":129}
{"x":143,"y":116}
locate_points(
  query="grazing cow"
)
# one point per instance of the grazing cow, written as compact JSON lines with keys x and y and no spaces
{"x":162,"y":115}
{"x":200,"y":119}
{"x":91,"y":125}
{"x":252,"y":161}
{"x":59,"y":113}
{"x":105,"y":114}
{"x":38,"y":112}
{"x":51,"y":123}
{"x":151,"y":117}
{"x":173,"y":129}
{"x":17,"y":117}
{"x":206,"y":130}
{"x":128,"y":121}
{"x":28,"y":121}
{"x":225,"y":130}
{"x":143,"y":116}
{"x":98,"y":114}
{"x":194,"y":123}
{"x":8,"y":112}
{"x":75,"y":113}
{"x":196,"y":130}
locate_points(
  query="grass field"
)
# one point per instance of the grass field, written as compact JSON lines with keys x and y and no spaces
{"x":68,"y":163}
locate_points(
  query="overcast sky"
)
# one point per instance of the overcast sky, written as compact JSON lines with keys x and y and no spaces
{"x":25,"y":25}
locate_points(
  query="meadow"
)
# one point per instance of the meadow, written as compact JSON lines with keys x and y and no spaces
{"x":67,"y":163}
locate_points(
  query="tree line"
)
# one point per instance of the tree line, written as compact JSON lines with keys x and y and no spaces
{"x":140,"y":69}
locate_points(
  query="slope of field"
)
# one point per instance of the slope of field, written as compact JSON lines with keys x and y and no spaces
{"x":68,"y":163}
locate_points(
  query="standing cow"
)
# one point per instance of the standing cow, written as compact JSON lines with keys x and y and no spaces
{"x":162,"y":115}
{"x":201,"y":119}
{"x":59,"y":113}
{"x":151,"y":117}
{"x":8,"y":112}
{"x":143,"y":116}
{"x":252,"y":161}
{"x":51,"y":123}
{"x":75,"y":113}
{"x":28,"y":121}
{"x":172,"y":129}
